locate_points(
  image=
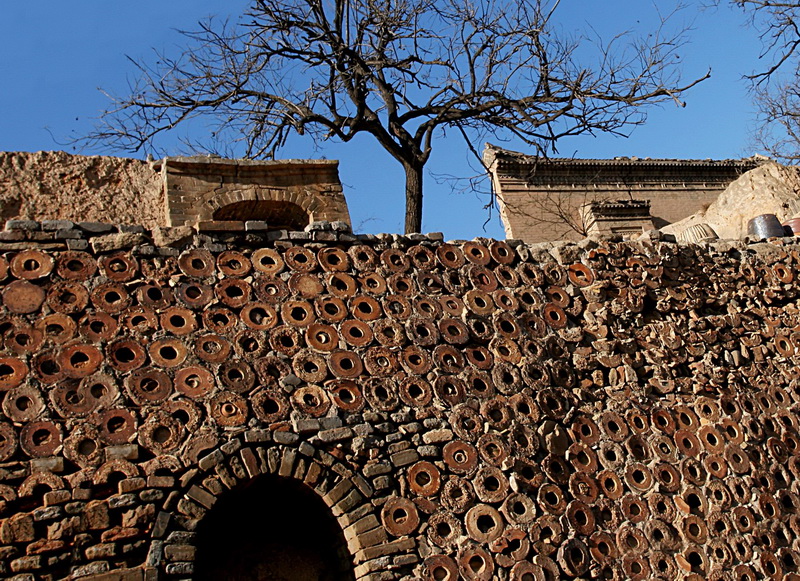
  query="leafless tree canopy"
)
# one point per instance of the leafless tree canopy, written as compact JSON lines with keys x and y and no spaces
{"x":401,"y":71}
{"x":777,"y":87}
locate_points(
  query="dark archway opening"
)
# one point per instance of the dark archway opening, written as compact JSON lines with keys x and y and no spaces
{"x":271,"y":529}
{"x":279,"y":215}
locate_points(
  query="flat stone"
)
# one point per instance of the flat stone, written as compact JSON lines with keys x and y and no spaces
{"x":121,"y":500}
{"x":341,"y":226}
{"x":111,"y":242}
{"x":210,"y":460}
{"x":325,"y":236}
{"x":252,"y":436}
{"x":47,"y":513}
{"x":48,"y":464}
{"x":57,"y":225}
{"x":68,"y":234}
{"x":180,"y":568}
{"x":178,"y":235}
{"x":96,"y":227}
{"x":318,"y":225}
{"x":147,"y":250}
{"x":22,"y":225}
{"x":256,"y":226}
{"x":94,"y":568}
{"x":77,"y":244}
{"x":123,"y":451}
{"x":220,"y":226}
{"x":179,"y":552}
{"x":131,"y":228}
{"x":155,"y":554}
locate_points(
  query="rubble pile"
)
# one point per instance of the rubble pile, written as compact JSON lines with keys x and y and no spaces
{"x":482,"y":409}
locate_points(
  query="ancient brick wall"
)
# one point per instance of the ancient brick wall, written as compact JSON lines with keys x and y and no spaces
{"x":468,"y":410}
{"x":541,"y":199}
{"x":198,"y":187}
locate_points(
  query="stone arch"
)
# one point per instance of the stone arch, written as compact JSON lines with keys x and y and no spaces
{"x":286,"y":465}
{"x":271,"y":527}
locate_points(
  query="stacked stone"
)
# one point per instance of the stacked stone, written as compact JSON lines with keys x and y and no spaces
{"x":476,"y":409}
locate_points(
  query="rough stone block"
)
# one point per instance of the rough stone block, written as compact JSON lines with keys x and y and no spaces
{"x":54,"y":225}
{"x":29,"y":225}
{"x":96,"y":227}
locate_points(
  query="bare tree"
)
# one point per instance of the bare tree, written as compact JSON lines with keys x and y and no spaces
{"x":776,"y":87}
{"x":401,"y":71}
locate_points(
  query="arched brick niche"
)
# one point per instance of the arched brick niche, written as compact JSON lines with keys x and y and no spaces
{"x":284,"y":520}
{"x":198,"y":188}
{"x":280,"y":215}
{"x":473,"y":410}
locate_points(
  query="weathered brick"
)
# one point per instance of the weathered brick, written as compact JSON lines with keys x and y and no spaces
{"x":17,"y":528}
{"x":398,"y":546}
{"x":287,"y":462}
{"x":335,"y":434}
{"x":101,"y":551}
{"x":338,"y":492}
{"x":179,"y":552}
{"x":404,"y":458}
{"x":202,"y":496}
{"x":347,"y":503}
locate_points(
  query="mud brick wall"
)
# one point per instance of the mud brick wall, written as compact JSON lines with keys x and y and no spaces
{"x":470,"y":410}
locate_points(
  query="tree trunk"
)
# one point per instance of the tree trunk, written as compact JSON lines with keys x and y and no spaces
{"x":413,"y":197}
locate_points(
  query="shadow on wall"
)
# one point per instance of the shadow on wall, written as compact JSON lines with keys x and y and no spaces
{"x":10,"y":208}
{"x":271,"y":529}
{"x":659,"y":223}
{"x":280,"y":215}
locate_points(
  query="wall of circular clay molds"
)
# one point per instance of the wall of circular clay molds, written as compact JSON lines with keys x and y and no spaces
{"x":476,"y":409}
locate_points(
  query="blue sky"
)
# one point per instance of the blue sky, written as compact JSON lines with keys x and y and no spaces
{"x":55,"y":55}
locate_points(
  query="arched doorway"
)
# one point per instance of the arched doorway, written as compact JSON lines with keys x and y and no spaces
{"x":271,"y":529}
{"x":280,"y":215}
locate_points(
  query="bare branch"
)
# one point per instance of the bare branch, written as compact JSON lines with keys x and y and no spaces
{"x":775,"y":87}
{"x":398,"y":70}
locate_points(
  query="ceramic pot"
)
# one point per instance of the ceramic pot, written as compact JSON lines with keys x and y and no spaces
{"x":765,"y":226}
{"x":794,"y":225}
{"x":697,"y":233}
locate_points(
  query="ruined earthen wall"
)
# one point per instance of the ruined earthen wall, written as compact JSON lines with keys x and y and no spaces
{"x":625,"y":410}
{"x":51,"y":185}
